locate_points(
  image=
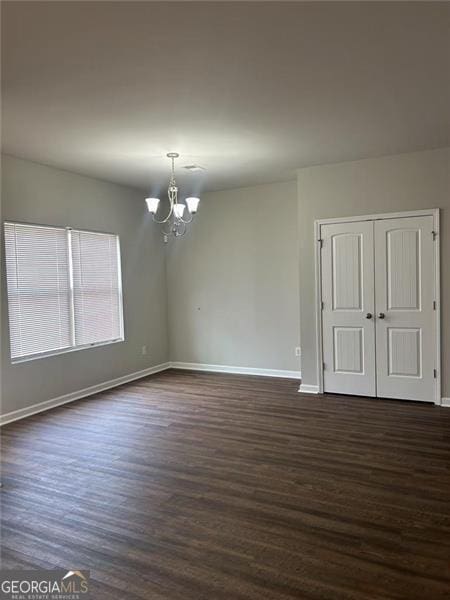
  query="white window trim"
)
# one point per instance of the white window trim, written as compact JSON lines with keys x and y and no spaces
{"x":29,"y":357}
{"x":73,"y":347}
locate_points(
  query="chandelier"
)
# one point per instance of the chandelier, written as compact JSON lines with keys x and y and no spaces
{"x":174,"y":222}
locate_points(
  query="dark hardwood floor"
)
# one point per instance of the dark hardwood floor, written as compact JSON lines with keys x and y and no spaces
{"x":190,"y":486}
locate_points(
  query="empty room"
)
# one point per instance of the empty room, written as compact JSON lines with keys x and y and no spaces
{"x":225,"y":300}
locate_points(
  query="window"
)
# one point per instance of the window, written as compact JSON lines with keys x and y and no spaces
{"x":64,"y":289}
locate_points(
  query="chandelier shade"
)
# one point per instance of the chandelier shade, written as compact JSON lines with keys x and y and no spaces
{"x":152,"y":205}
{"x":174,"y":222}
{"x":178,"y":210}
{"x":192,"y":204}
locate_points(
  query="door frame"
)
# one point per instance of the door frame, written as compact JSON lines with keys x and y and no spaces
{"x":434,"y":212}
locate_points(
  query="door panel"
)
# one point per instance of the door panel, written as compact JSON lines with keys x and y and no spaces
{"x":347,"y":278}
{"x":348,"y":296}
{"x":404,"y":295}
{"x":348,"y":346}
{"x":404,"y":349}
{"x":402,"y":267}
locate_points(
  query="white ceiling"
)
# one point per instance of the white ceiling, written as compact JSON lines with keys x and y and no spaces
{"x":251,"y":91}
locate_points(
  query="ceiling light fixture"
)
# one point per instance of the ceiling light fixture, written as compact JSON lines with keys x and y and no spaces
{"x":174,"y":222}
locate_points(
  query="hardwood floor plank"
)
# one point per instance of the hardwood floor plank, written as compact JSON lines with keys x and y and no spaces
{"x":192,"y":486}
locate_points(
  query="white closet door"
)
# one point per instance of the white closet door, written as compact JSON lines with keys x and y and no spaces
{"x":404,"y":290}
{"x":348,"y":308}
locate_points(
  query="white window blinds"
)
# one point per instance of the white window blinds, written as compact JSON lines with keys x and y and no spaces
{"x":96,"y":287}
{"x":38,"y":289}
{"x":64,"y":289}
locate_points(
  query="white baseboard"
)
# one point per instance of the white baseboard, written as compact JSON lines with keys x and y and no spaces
{"x":106,"y":385}
{"x":237,"y":370}
{"x":308,"y":389}
{"x":314,"y":389}
{"x":93,"y":389}
{"x":100,"y":387}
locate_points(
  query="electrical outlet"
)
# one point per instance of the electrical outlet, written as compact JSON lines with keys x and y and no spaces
{"x":298,"y":351}
{"x":144,"y":350}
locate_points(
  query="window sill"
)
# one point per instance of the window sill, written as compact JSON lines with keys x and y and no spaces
{"x":23,"y":359}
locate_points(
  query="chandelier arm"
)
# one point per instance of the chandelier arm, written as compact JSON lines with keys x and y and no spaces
{"x":166,"y":219}
{"x":167,"y":231}
{"x":180,"y":228}
{"x":172,"y":195}
{"x":187,"y":221}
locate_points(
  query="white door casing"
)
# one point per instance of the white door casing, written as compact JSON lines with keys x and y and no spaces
{"x":405,"y":290}
{"x":348,"y":308}
{"x":404,"y":302}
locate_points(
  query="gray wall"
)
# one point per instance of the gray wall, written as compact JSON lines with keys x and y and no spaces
{"x":35,"y":193}
{"x":388,"y":184}
{"x":232,"y":284}
{"x":233,"y":281}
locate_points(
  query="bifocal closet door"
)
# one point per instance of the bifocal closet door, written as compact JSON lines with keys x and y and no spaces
{"x":348,"y":308}
{"x":404,"y":296}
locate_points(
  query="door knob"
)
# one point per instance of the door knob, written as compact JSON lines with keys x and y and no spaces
{"x":381,"y":316}
{"x":369,"y":316}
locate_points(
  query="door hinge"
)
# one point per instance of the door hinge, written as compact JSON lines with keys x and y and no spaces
{"x":320,"y":241}
{"x":434,"y":304}
{"x":322,"y":305}
{"x":324,"y":366}
{"x":435,"y":373}
{"x":434,"y":234}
